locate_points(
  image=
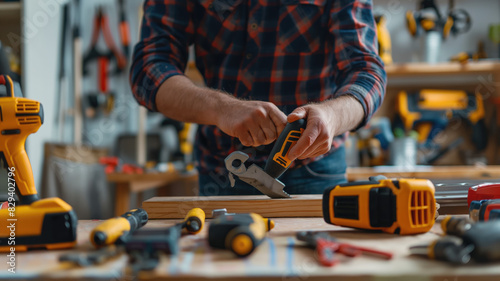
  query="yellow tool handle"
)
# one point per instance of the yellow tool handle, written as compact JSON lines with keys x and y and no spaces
{"x":194,"y":220}
{"x":278,"y":161}
{"x":111,"y":230}
{"x":20,"y":117}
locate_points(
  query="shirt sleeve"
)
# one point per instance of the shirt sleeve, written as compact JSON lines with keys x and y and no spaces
{"x":359,"y":69}
{"x":162,"y":50}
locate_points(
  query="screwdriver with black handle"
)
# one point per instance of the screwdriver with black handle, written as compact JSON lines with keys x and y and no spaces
{"x":114,"y":230}
{"x":466,"y":241}
{"x":278,"y":161}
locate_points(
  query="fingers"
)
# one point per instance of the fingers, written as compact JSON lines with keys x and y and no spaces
{"x":305,"y":141}
{"x":279,"y":120}
{"x":298,"y":113}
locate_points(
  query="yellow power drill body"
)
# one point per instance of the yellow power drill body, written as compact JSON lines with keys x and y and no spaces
{"x":31,"y":222}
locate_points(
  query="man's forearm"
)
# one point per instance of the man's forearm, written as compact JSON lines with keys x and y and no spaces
{"x":178,"y":98}
{"x":347,"y":113}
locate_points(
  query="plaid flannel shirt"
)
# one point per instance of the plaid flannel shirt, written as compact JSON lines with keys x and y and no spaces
{"x":288,"y":52}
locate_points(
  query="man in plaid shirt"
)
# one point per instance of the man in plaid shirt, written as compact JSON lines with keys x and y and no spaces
{"x":265,"y":63}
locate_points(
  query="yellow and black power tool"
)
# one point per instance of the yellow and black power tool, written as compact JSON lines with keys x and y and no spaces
{"x":429,"y":112}
{"x":33,"y":222}
{"x":384,"y":40}
{"x":428,"y":18}
{"x":400,"y":206}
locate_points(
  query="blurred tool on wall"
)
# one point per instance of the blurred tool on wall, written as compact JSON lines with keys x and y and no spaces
{"x":494,"y":35}
{"x":427,"y":20}
{"x":10,"y":65}
{"x":384,"y":39}
{"x":371,"y":143}
{"x":104,"y":99}
{"x":182,"y":147}
{"x":430,"y":111}
{"x":464,"y":57}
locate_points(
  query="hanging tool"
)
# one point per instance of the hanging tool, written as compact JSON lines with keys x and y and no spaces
{"x":62,"y":85}
{"x":240,"y":233}
{"x":429,"y":112}
{"x":427,"y":18}
{"x":124,"y":29}
{"x":266,"y":181}
{"x":479,"y":242}
{"x":36,"y":223}
{"x":400,"y":206}
{"x":384,"y":39}
{"x":326,"y":246}
{"x":456,"y":21}
{"x":77,"y":76}
{"x":104,"y":99}
{"x":115,"y":229}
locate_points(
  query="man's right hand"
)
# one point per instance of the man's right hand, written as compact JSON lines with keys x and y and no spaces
{"x":254,"y":123}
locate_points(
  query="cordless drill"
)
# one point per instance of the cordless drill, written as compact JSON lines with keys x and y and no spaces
{"x":32,"y":222}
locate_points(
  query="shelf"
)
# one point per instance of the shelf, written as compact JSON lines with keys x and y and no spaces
{"x":10,"y":11}
{"x":426,"y":172}
{"x":447,"y":68}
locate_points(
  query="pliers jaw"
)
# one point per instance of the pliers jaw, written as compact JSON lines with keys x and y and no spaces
{"x":253,"y":175}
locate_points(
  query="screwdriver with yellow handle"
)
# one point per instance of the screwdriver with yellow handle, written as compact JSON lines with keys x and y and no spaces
{"x":112,"y":230}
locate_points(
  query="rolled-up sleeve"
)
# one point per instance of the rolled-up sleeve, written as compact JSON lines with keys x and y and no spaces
{"x":162,"y":50}
{"x":359,"y":71}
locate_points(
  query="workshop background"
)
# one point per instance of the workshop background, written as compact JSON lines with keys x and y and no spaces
{"x":31,"y":35}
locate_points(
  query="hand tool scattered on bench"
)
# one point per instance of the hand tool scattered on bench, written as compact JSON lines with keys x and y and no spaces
{"x":326,"y":246}
{"x":240,"y":233}
{"x":466,"y":241}
{"x":266,"y":180}
{"x":30,"y":222}
{"x":115,"y":229}
{"x":143,"y":246}
{"x":401,"y":206}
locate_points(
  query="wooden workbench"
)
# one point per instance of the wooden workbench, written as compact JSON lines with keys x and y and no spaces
{"x":280,"y":257}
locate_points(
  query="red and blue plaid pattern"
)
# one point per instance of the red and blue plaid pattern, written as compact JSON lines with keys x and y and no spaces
{"x":288,"y":52}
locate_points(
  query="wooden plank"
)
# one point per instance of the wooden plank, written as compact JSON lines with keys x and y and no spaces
{"x":426,"y":172}
{"x":177,"y":207}
{"x":446,"y":68}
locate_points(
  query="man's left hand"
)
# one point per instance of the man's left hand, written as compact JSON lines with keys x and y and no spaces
{"x":318,"y":136}
{"x":325,"y":120}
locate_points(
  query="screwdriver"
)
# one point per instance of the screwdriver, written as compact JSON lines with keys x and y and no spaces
{"x":278,"y":161}
{"x":479,"y":242}
{"x":194,"y":221}
{"x":115,"y":229}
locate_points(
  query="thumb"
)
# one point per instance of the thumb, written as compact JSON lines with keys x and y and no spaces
{"x":298,"y":113}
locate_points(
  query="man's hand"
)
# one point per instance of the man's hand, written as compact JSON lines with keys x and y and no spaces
{"x":254,"y":123}
{"x":324,"y":121}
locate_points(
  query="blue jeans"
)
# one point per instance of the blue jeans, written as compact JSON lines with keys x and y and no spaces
{"x":312,"y":178}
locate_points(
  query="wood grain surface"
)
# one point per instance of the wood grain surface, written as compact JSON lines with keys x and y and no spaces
{"x":177,"y":207}
{"x":279,"y":257}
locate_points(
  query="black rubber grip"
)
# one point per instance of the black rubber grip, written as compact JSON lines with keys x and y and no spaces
{"x":277,"y":162}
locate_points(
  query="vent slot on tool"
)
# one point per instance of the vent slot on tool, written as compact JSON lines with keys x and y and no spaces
{"x":346,"y":207}
{"x":27,"y":107}
{"x":28,"y":120}
{"x":420,"y":208}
